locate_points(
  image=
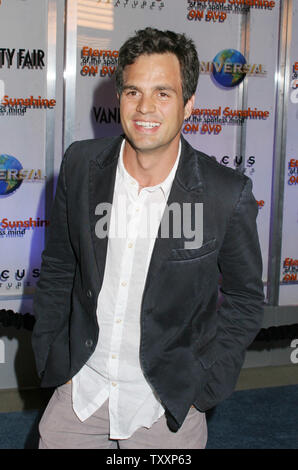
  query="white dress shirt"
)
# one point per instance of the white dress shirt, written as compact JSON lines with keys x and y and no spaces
{"x":113,"y":371}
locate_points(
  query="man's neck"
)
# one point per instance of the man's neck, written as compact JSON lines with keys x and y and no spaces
{"x":149,"y":168}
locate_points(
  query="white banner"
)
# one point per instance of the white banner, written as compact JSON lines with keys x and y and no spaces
{"x":23,"y":105}
{"x":288,"y":294}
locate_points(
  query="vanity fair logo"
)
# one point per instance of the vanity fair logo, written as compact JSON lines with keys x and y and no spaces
{"x":171,"y":221}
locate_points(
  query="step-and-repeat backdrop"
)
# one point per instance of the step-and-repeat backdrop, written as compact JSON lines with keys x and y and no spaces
{"x":29,"y":139}
{"x":233,"y":121}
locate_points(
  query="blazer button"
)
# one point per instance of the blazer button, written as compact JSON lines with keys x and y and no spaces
{"x":89,"y":343}
{"x":89,"y":293}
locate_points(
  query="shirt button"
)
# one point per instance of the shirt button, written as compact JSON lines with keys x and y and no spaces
{"x":118,"y":320}
{"x":114,"y":356}
{"x":89,"y":293}
{"x":88,"y":343}
{"x":129,"y":245}
{"x":123,"y":283}
{"x":114,"y":384}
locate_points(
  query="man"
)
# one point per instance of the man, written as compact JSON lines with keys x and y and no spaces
{"x":127,"y":327}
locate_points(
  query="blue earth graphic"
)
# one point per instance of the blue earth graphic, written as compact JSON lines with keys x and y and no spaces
{"x":228,"y":56}
{"x":7,"y":186}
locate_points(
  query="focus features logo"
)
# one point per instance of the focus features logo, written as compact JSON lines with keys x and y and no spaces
{"x":151,"y":4}
{"x":22,"y":279}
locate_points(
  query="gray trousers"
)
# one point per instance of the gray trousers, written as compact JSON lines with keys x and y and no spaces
{"x":60,"y":428}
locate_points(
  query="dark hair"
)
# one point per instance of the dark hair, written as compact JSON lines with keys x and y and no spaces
{"x":153,"y":41}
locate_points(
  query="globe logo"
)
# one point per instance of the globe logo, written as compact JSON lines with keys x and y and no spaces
{"x":226,"y":65}
{"x":8,"y":181}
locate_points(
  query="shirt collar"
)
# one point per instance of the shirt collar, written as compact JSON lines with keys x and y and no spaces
{"x":165,"y":185}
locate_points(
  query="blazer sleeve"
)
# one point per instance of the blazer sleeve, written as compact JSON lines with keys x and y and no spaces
{"x":52,"y":300}
{"x":241,"y":310}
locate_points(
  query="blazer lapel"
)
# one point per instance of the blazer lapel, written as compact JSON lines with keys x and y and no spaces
{"x":102,"y":174}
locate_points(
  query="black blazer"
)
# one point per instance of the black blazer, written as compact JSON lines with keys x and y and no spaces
{"x":191,"y":350}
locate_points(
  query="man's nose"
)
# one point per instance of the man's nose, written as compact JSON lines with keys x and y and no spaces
{"x":146,"y":105}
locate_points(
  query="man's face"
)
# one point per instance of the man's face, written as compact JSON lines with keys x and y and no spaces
{"x":151,"y":104}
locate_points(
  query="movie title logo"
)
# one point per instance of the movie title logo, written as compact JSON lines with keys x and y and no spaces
{"x":150,"y":4}
{"x":98,"y":62}
{"x":210,"y":11}
{"x":261,"y":203}
{"x":293,"y":172}
{"x":18,"y":279}
{"x":207,"y":121}
{"x":18,"y":228}
{"x":22,"y":58}
{"x":294,"y":84}
{"x":214,"y":11}
{"x":290,"y":270}
{"x":16,"y":106}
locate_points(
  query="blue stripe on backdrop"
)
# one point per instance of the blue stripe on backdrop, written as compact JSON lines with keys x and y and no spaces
{"x":264,"y":418}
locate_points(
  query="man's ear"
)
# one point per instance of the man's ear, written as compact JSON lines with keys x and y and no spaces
{"x":189,"y":107}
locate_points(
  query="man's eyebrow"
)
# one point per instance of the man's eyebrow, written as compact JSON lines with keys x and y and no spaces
{"x":166,"y":88}
{"x":130,"y":87}
{"x":158,"y":87}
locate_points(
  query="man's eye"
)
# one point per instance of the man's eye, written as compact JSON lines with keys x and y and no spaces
{"x":162,"y":94}
{"x":131,"y":93}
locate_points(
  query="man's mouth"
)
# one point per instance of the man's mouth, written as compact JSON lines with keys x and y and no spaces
{"x":147,"y":124}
